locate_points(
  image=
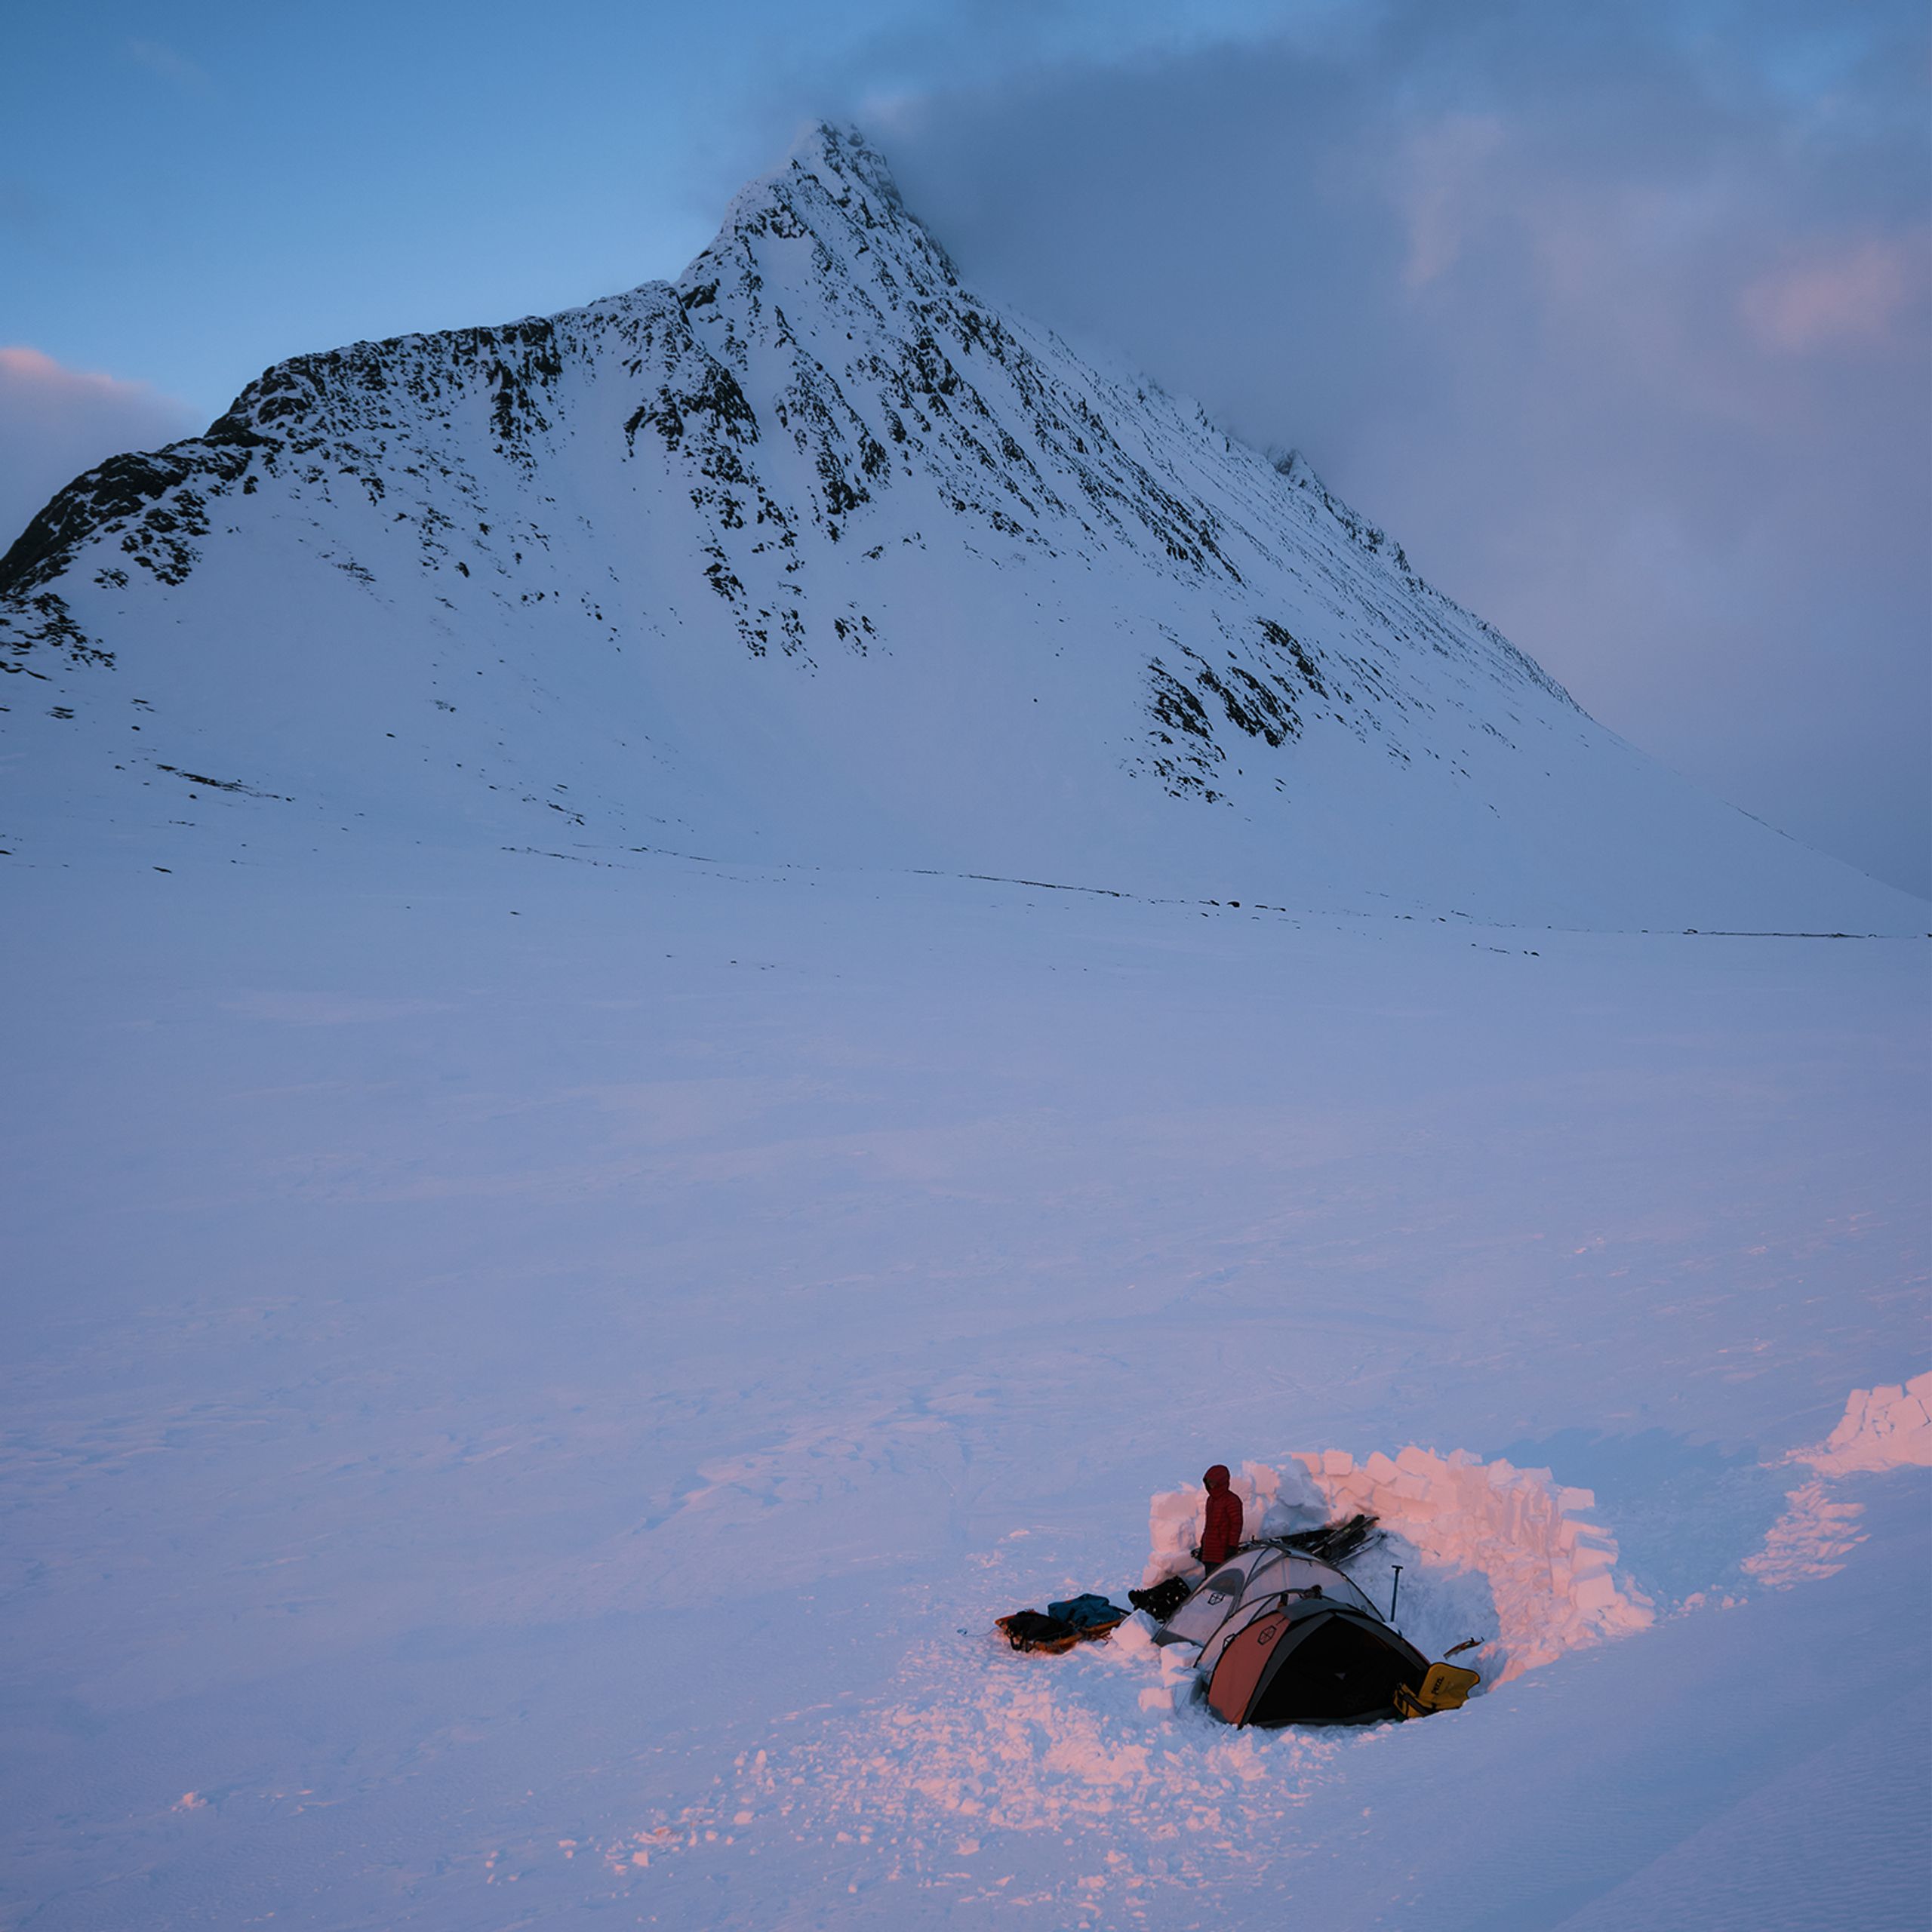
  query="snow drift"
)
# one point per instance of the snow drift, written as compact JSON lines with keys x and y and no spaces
{"x":1882,"y":1429}
{"x":815,"y":555}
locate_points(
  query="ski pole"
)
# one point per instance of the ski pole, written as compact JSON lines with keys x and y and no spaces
{"x":1395,"y":1593}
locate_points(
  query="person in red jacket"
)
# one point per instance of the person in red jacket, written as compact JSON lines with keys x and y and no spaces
{"x":1222,"y":1537}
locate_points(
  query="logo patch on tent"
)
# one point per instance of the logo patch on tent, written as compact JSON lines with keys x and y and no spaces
{"x":1225,"y":1584}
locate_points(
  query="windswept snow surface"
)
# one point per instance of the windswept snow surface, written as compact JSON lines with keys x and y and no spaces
{"x":528,"y":1380}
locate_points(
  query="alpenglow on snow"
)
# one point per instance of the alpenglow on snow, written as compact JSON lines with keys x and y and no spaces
{"x":815,"y":556}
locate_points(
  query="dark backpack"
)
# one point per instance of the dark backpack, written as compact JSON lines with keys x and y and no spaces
{"x":1028,"y":1630}
{"x":1163,"y":1600}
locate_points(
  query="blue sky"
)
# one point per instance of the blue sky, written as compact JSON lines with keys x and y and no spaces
{"x":193,"y":191}
{"x":1616,"y":315}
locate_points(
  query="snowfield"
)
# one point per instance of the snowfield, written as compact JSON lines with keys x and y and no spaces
{"x":700,"y":993}
{"x":528,"y":1382}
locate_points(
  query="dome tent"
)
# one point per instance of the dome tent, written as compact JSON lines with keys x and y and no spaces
{"x":1308,"y":1660}
{"x":1286,"y":1638}
{"x":1255,"y":1571}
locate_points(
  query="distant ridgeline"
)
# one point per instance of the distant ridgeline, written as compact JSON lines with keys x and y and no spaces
{"x":815,"y":556}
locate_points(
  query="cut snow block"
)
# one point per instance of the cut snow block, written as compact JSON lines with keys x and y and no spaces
{"x":1174,"y":1520}
{"x":1594,"y":1592}
{"x":1887,"y":1428}
{"x":1264,"y":1484}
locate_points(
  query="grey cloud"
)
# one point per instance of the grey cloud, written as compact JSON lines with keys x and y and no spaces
{"x":1617,"y":317}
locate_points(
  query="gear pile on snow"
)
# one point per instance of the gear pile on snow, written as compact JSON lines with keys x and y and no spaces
{"x":1075,"y":1620}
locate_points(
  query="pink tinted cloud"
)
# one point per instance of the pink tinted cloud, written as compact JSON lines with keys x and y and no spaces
{"x":1854,"y":294}
{"x":55,"y":421}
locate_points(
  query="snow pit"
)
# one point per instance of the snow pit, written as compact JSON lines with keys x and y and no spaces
{"x":1550,"y":1571}
{"x":1882,"y":1429}
{"x":973,"y":1741}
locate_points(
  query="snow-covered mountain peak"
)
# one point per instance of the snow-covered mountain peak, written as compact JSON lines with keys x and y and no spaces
{"x":816,"y":555}
{"x":832,"y":177}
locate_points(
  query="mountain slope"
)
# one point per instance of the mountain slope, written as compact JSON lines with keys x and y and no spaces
{"x":815,"y":556}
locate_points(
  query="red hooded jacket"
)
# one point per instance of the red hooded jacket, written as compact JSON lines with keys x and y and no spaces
{"x":1222,"y":1537}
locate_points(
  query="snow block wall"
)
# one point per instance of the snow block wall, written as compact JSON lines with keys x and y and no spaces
{"x":1887,"y":1428}
{"x":1550,"y":1570}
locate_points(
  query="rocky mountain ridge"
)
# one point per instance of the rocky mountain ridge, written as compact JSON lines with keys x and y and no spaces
{"x":815,"y":555}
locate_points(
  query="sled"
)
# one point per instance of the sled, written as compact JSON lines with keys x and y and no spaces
{"x":1028,"y":1630}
